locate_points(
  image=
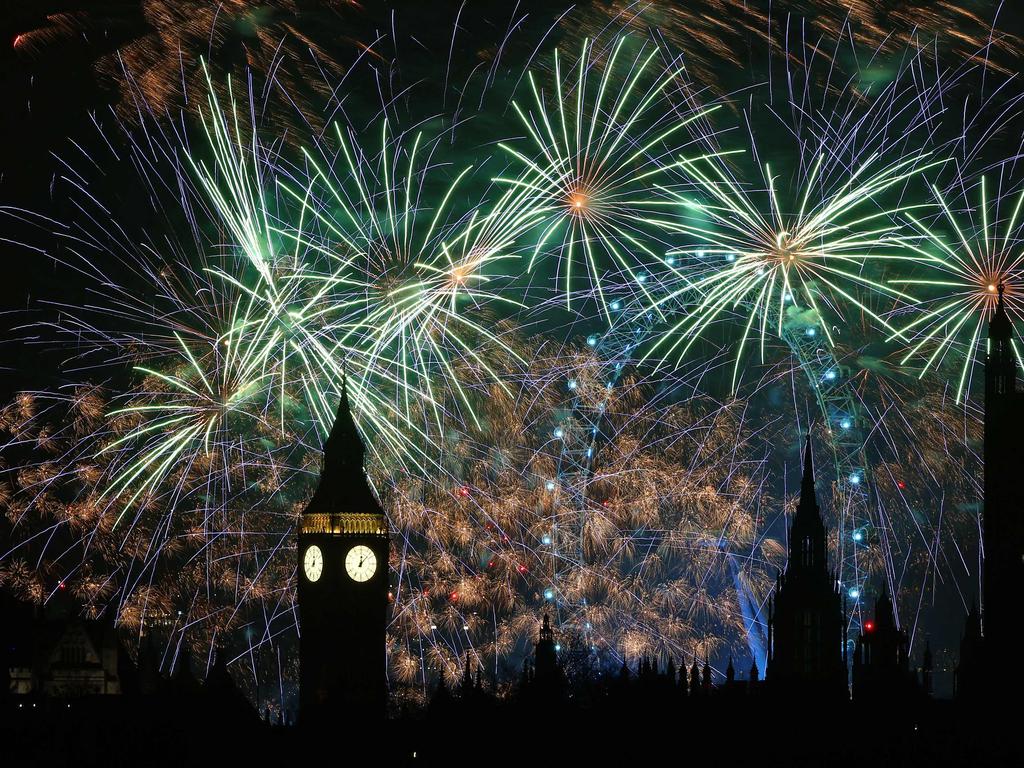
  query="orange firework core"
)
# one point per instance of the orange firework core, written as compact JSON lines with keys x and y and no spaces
{"x":577,"y":202}
{"x":989,"y":285}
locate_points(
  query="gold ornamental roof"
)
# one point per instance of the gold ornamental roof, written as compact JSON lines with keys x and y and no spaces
{"x":357,"y":523}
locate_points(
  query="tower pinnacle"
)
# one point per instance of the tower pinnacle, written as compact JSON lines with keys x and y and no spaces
{"x":807,"y":533}
{"x":999,"y":325}
{"x":343,"y":484}
{"x":808,"y":499}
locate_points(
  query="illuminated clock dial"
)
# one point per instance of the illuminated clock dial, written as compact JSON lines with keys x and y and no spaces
{"x":313,"y":563}
{"x":360,"y":563}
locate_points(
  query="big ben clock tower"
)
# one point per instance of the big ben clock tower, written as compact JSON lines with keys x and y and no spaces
{"x":343,"y":587}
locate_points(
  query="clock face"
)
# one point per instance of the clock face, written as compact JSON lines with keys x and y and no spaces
{"x":360,"y":563}
{"x":313,"y":563}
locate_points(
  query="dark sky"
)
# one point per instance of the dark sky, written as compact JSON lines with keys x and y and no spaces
{"x":54,"y":99}
{"x":54,"y":96}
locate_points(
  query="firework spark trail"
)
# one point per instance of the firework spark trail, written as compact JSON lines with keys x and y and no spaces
{"x":601,"y":137}
{"x":659,"y":544}
{"x":151,"y":53}
{"x":965,"y":270}
{"x":171,"y":494}
{"x":790,"y":249}
{"x":926,"y":488}
{"x":413,"y":283}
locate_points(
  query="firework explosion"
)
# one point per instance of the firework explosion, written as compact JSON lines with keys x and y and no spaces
{"x":522,"y":465}
{"x":653,"y":569}
{"x":603,"y":138}
{"x":969,"y":267}
{"x":718,"y":34}
{"x":784,"y":251}
{"x":236,"y":344}
{"x":399,"y":273}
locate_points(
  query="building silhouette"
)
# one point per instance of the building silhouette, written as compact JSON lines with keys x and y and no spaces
{"x":545,"y":657}
{"x":881,"y":660}
{"x":53,"y":652}
{"x":343,"y":601}
{"x":343,"y":586}
{"x":799,"y":715}
{"x":992,"y":631}
{"x":1003,"y":508}
{"x":806,"y":620}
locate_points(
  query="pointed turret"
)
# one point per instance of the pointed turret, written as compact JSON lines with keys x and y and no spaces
{"x":807,"y":534}
{"x":546,"y":655}
{"x":968,"y":683}
{"x":808,"y":498}
{"x":222,"y":696}
{"x":806,"y":621}
{"x":624,"y":671}
{"x":343,"y":484}
{"x":467,"y":677}
{"x":999,"y":325}
{"x":441,"y":701}
{"x":885,"y":614}
{"x":881,"y":666}
{"x":1000,"y":362}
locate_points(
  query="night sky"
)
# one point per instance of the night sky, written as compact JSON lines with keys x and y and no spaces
{"x":74,"y":125}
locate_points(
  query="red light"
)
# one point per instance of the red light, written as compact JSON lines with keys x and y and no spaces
{"x":521,"y":568}
{"x":869,"y":625}
{"x":61,"y":585}
{"x":464,"y":491}
{"x":900,"y":484}
{"x":453,"y":596}
{"x":490,"y":563}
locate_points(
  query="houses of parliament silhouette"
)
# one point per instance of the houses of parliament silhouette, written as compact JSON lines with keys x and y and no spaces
{"x":815,"y":683}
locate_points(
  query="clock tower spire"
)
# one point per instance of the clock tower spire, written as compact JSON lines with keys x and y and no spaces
{"x":343,"y":586}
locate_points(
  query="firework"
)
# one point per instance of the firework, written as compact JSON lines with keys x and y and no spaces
{"x":780,"y":266}
{"x":602,"y":135}
{"x":414,"y":279}
{"x":151,"y":50}
{"x":659,"y":565}
{"x":717,"y":34}
{"x":785,"y":251}
{"x":968,"y":267}
{"x":523,"y":470}
{"x":173,"y":498}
